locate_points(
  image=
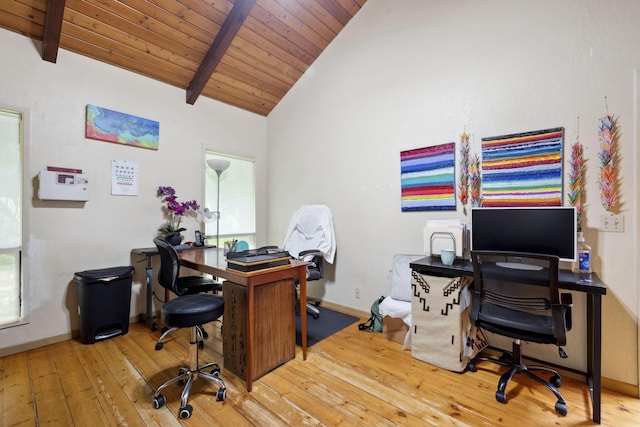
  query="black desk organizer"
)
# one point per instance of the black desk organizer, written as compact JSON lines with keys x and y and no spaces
{"x":257,"y":259}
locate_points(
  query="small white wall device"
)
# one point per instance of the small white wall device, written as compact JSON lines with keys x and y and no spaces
{"x":63,"y":184}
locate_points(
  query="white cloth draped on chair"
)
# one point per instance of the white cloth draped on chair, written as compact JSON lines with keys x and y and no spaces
{"x":311,"y":227}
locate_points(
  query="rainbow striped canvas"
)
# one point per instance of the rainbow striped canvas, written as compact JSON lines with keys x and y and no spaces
{"x":523,"y":169}
{"x":428,"y":179}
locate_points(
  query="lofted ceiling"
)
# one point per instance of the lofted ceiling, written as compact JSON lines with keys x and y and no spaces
{"x":246,"y":53}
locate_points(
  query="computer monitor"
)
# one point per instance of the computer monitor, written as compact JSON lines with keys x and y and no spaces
{"x":542,"y":230}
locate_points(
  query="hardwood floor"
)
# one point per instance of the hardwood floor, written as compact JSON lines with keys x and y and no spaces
{"x":352,"y":378}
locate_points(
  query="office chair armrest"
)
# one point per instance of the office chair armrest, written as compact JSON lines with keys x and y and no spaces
{"x":566,"y":300}
{"x":562,"y":316}
{"x":315,"y":269}
{"x":313,"y":252}
{"x":476,"y":297}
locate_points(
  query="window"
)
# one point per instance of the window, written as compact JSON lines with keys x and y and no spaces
{"x":237,"y":199}
{"x":10,"y":217}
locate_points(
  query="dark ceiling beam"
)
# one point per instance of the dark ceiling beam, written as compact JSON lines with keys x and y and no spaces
{"x":52,"y":28}
{"x":223,"y":39}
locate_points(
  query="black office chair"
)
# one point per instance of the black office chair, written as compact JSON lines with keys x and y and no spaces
{"x":315,"y":271}
{"x":191,"y":311}
{"x":169,"y":278}
{"x":516,"y":295}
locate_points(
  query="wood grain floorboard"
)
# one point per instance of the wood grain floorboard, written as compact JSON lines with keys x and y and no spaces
{"x":352,"y":378}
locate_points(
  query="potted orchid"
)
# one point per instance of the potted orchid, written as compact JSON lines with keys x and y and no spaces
{"x":174,"y":210}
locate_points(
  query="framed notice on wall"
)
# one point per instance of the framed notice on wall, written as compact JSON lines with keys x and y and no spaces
{"x":124,"y":178}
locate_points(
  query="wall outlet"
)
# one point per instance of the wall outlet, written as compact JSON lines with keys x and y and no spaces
{"x":612,"y":222}
{"x":357,"y":293}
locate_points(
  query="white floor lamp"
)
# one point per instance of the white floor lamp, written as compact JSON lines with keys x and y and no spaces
{"x":218,"y":165}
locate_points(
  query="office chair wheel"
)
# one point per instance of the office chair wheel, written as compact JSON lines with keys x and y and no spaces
{"x":506,"y":357}
{"x":471,"y":366}
{"x":159,"y":401}
{"x":556,"y":380}
{"x":164,"y":329}
{"x":180,"y":372}
{"x":561,"y":408}
{"x":222,"y":395}
{"x":185,"y":412}
{"x":200,"y":344}
{"x":154,"y":327}
{"x":501,"y":397}
{"x":215,"y":372}
{"x":159,"y":346}
{"x":316,"y":315}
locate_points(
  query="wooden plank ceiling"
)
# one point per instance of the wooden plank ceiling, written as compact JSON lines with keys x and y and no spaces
{"x":246,"y":53}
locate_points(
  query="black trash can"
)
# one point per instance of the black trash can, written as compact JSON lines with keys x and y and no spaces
{"x":104,"y":300}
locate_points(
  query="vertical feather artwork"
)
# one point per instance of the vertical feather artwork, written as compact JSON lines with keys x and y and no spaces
{"x":463,"y":184}
{"x":608,"y":134}
{"x":576,"y":180}
{"x":474,"y":181}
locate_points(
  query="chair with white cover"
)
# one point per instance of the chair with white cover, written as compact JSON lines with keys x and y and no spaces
{"x":311,"y":237}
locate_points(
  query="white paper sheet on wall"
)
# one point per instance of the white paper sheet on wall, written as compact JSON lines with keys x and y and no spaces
{"x":124,"y":178}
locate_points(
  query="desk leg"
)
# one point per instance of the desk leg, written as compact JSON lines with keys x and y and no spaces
{"x":250,"y":334}
{"x":149,"y":295}
{"x":302,"y":280}
{"x":594,"y":353}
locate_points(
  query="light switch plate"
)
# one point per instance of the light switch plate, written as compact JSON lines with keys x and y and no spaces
{"x":612,"y":222}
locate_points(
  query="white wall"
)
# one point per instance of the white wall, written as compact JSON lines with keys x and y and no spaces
{"x":63,"y":238}
{"x":413,"y":73}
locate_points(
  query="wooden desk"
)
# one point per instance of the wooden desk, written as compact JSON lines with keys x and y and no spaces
{"x":588,"y":283}
{"x":213,"y":261}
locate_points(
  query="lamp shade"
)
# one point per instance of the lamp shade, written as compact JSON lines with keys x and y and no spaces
{"x":218,"y":165}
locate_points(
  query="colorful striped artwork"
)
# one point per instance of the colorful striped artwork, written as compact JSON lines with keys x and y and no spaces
{"x":523,"y":169}
{"x":428,"y":180}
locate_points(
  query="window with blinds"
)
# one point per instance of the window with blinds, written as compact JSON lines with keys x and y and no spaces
{"x":11,"y":307}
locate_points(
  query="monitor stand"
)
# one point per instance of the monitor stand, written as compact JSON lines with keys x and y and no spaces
{"x":519,"y":266}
